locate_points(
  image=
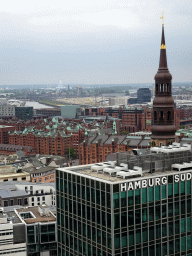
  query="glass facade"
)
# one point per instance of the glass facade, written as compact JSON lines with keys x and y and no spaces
{"x":95,"y":218}
{"x":41,"y":238}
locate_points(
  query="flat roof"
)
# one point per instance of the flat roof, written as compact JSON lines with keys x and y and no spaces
{"x":106,"y":178}
{"x":38,"y":217}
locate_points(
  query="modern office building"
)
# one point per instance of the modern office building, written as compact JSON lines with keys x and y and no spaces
{"x":143,"y":95}
{"x":70,"y":111}
{"x":140,"y":206}
{"x":24,"y":113}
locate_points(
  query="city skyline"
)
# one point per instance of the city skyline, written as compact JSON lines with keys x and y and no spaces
{"x":92,"y":43}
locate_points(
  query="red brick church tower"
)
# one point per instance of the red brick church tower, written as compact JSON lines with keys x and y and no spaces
{"x":163,"y":128}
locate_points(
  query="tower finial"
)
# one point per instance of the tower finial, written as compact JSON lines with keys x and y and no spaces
{"x":162,"y":18}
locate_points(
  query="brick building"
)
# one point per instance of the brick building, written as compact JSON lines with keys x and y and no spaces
{"x":95,"y":149}
{"x":4,"y":129}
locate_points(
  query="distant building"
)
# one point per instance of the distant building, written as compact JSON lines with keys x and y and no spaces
{"x":47,"y":112}
{"x":12,"y":173}
{"x":70,"y":111}
{"x":143,"y":95}
{"x":118,"y":101}
{"x":27,"y":194}
{"x":7,"y":110}
{"x":79,"y":91}
{"x":12,"y":234}
{"x":4,"y":129}
{"x":40,"y":230}
{"x":24,"y":113}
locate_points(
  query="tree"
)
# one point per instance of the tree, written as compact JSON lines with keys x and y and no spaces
{"x":70,"y":152}
{"x":124,"y":132}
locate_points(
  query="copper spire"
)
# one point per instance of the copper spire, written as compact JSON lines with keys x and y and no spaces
{"x":163,"y":57}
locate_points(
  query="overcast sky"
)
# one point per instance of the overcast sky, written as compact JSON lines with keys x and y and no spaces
{"x":89,"y":41}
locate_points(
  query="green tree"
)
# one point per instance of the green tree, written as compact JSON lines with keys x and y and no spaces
{"x":71,"y":152}
{"x":124,"y":132}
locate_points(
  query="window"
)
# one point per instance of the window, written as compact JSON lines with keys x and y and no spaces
{"x":43,"y":198}
{"x":41,"y":191}
{"x":19,"y":201}
{"x":5,"y":203}
{"x":23,"y":178}
{"x":14,"y":179}
{"x":11,"y":201}
{"x":38,"y":198}
{"x":40,"y":180}
{"x":32,"y":204}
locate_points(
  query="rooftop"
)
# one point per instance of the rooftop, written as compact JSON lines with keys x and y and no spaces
{"x":36,"y":217}
{"x":129,"y":166}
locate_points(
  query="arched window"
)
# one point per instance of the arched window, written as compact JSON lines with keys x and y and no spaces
{"x":155,"y":115}
{"x":169,"y":115}
{"x":161,"y":115}
{"x":157,"y":87}
{"x":167,"y":87}
{"x":161,"y":87}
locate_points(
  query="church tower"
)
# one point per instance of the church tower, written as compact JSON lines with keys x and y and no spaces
{"x":163,"y":128}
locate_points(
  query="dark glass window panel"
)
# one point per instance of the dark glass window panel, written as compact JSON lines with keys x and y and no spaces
{"x":176,"y":208}
{"x":183,"y":244}
{"x":123,"y":219}
{"x":164,"y":230}
{"x":151,"y":194}
{"x":170,"y":209}
{"x":157,"y":193}
{"x":170,"y":179}
{"x":189,"y":224}
{"x":177,"y":227}
{"x":164,"y":249}
{"x":123,"y":202}
{"x":137,"y":196}
{"x":157,"y":212}
{"x":176,"y":189}
{"x":151,"y":213}
{"x":130,"y":198}
{"x":124,"y":239}
{"x":130,"y":218}
{"x":189,"y":187}
{"x":189,"y":206}
{"x":102,"y":198}
{"x":183,"y":207}
{"x":145,"y":234}
{"x":116,"y":220}
{"x":144,"y":214}
{"x":138,"y":216}
{"x":131,"y":238}
{"x":145,"y":251}
{"x":152,"y":250}
{"x":158,"y":231}
{"x":170,"y":225}
{"x":183,"y":225}
{"x":151,"y":233}
{"x":117,"y":241}
{"x":170,"y":190}
{"x":189,"y":243}
{"x":138,"y":236}
{"x":163,"y":192}
{"x":144,"y":195}
{"x":182,"y":188}
{"x":164,"y":211}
